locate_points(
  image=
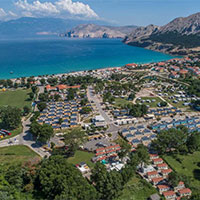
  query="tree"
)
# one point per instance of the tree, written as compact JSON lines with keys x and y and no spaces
{"x":34,"y":89}
{"x":74,"y":138}
{"x":57,"y":179}
{"x":31,"y":95}
{"x":85,"y":110}
{"x":57,"y":97}
{"x":142,"y":154}
{"x":26,"y":110}
{"x":11,"y":117}
{"x":41,"y":106}
{"x":193,"y":142}
{"x":43,"y":133}
{"x":60,"y":121}
{"x":43,"y":97}
{"x":42,"y":81}
{"x":108,"y":184}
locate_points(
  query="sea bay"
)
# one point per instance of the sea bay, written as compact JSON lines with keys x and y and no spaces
{"x":41,"y":56}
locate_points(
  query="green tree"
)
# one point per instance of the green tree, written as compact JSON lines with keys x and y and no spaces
{"x":11,"y":117}
{"x":108,"y":184}
{"x":26,"y":110}
{"x":57,"y":179}
{"x":41,"y":106}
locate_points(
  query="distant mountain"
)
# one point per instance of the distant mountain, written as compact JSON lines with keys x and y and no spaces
{"x":180,"y":36}
{"x":99,"y":31}
{"x":30,"y":27}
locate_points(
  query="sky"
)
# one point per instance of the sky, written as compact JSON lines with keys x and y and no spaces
{"x":119,"y":12}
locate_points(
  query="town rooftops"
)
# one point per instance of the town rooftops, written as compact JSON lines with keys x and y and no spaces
{"x":157,"y":180}
{"x":185,"y":191}
{"x":169,"y":194}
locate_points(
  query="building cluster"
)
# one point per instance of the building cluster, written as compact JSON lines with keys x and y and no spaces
{"x":67,"y":111}
{"x":192,"y":123}
{"x":163,"y":112}
{"x":157,"y":173}
{"x":105,"y":153}
{"x":138,"y":135}
{"x":178,"y":67}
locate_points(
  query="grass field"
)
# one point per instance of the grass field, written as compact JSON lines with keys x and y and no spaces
{"x":137,"y":189}
{"x":152,"y":104}
{"x":82,"y":156}
{"x":17,"y":98}
{"x":121,"y":102}
{"x":188,"y":165}
{"x":15,"y":155}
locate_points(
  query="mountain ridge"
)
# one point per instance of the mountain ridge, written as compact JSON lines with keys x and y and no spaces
{"x":98,"y":31}
{"x":180,"y":36}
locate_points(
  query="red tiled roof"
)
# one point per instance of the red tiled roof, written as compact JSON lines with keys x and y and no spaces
{"x":156,"y":180}
{"x":166,"y":171}
{"x":181,"y":183}
{"x":169,"y":193}
{"x":163,"y":186}
{"x":162,"y":165}
{"x":152,"y":173}
{"x":157,"y":160}
{"x":185,"y":190}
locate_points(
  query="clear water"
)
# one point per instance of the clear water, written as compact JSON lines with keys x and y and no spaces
{"x":34,"y":57}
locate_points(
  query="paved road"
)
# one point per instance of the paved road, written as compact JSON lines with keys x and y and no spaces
{"x":25,"y":138}
{"x":112,"y":128}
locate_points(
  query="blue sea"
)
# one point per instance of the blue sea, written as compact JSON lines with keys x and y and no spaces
{"x":41,"y":56}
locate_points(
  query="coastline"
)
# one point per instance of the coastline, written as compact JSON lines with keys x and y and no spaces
{"x":72,"y":56}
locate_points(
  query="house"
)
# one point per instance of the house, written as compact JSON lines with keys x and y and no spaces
{"x":163,"y":188}
{"x":180,"y":186}
{"x":148,"y":168}
{"x":169,"y":195}
{"x":162,"y":166}
{"x":185,"y":192}
{"x":157,"y":181}
{"x":153,"y":156}
{"x":166,"y":172}
{"x":157,"y":161}
{"x":153,"y":174}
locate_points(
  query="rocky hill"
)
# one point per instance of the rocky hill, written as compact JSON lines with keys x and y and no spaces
{"x":180,"y":36}
{"x":98,"y":31}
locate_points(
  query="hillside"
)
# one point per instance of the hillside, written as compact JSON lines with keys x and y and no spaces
{"x":180,"y":36}
{"x":31,"y":27}
{"x":99,"y":31}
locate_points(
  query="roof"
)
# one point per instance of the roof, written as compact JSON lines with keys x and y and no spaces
{"x":163,"y":186}
{"x":152,"y":173}
{"x":166,"y":171}
{"x":169,"y":193}
{"x":157,"y":160}
{"x":162,"y":165}
{"x":185,"y":190}
{"x":156,"y":180}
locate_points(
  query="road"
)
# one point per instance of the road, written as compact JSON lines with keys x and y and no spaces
{"x":25,"y":138}
{"x":112,"y":128}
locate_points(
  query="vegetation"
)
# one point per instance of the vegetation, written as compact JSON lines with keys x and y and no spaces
{"x":43,"y":133}
{"x":175,"y":38}
{"x":10,"y":117}
{"x":138,"y":110}
{"x":81,"y":156}
{"x":16,"y":155}
{"x":18,"y":98}
{"x":176,"y":141}
{"x":57,"y":179}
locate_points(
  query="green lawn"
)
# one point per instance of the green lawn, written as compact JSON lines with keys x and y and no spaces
{"x":82,"y":156}
{"x":121,"y":102}
{"x":15,"y":155}
{"x":187,"y":166}
{"x":17,"y":98}
{"x":137,"y":189}
{"x":152,"y":104}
